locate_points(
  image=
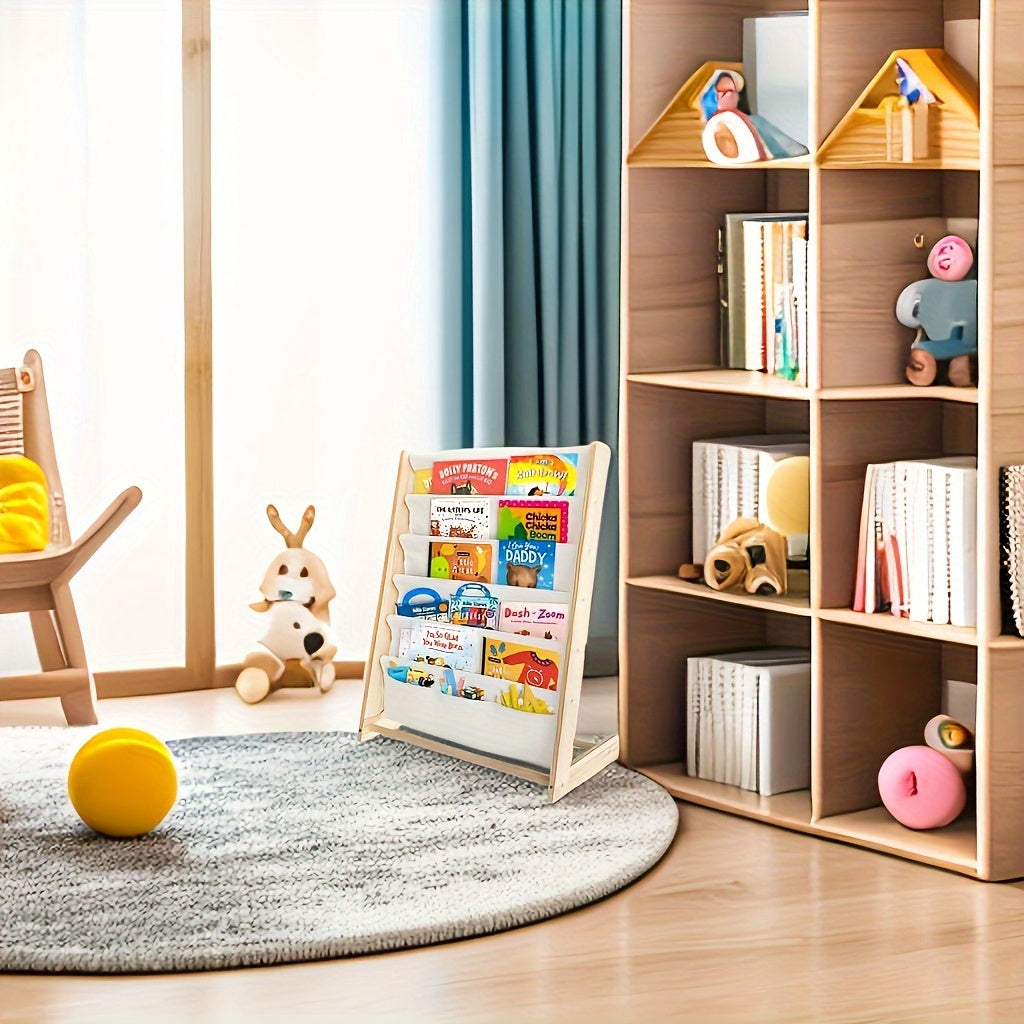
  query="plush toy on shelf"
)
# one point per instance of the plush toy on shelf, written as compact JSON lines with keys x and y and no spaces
{"x":944,"y":311}
{"x":923,"y":786}
{"x":297,"y":647}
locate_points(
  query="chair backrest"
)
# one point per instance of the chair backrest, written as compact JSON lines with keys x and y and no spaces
{"x":25,"y":430}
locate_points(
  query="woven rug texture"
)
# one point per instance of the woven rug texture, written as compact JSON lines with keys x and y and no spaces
{"x":286,"y":847}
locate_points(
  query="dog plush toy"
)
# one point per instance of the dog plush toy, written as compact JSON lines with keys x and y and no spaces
{"x":297,"y":648}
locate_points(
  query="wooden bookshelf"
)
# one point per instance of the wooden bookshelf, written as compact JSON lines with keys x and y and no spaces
{"x":876,"y":679}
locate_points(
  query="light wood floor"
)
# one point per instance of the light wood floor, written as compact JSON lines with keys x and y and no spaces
{"x":739,"y":922}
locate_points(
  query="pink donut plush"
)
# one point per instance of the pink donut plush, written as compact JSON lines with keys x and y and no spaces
{"x":921,"y":788}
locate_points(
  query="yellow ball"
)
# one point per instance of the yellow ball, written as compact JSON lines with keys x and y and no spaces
{"x":122,"y":782}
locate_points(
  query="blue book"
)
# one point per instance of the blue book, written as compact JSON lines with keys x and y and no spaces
{"x":526,"y":563}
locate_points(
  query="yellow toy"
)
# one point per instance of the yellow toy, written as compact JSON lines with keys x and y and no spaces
{"x":24,"y":506}
{"x":123,"y":782}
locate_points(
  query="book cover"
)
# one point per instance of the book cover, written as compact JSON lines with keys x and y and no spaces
{"x":541,"y":474}
{"x":461,"y":561}
{"x":441,"y":644}
{"x":527,"y":563}
{"x":469,"y":476}
{"x":423,"y":603}
{"x":421,"y":481}
{"x":465,"y":518}
{"x":533,"y":520}
{"x":534,"y":618}
{"x":474,"y":605}
{"x":522,"y":663}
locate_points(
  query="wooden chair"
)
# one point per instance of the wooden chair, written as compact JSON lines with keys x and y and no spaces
{"x":37,"y":581}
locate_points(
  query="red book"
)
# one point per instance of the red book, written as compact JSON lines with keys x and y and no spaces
{"x":469,"y":476}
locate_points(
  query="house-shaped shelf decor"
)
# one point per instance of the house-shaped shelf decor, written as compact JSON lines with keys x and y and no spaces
{"x":883,"y":130}
{"x":674,"y":140}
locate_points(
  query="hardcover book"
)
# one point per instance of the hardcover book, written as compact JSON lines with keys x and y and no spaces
{"x":466,"y":518}
{"x":469,"y":476}
{"x":441,"y":644}
{"x":527,"y":563}
{"x":535,"y":475}
{"x":461,"y":561}
{"x":534,"y":618}
{"x":521,"y":663}
{"x":533,"y":520}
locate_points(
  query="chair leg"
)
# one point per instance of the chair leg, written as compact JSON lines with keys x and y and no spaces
{"x":79,"y":705}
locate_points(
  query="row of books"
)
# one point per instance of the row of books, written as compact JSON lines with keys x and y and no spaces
{"x":917,"y":552}
{"x":748,"y":719}
{"x":730,"y":476}
{"x":762,"y":265}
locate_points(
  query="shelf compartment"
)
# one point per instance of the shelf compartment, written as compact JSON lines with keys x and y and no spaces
{"x":657,"y":508}
{"x":670,"y":246}
{"x":796,"y":602}
{"x":875,"y":694}
{"x":870,"y":135}
{"x":868,"y":253}
{"x":736,"y":382}
{"x":663,"y":628}
{"x":851,"y":438}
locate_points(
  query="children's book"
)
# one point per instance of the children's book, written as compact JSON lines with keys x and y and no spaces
{"x":439,"y":643}
{"x":462,"y":560}
{"x":521,"y":663}
{"x":534,"y":618}
{"x":423,"y":603}
{"x":421,"y":481}
{"x":533,"y":520}
{"x":542,"y":474}
{"x":469,"y":476}
{"x":474,"y":605}
{"x":526,"y":563}
{"x":466,"y":518}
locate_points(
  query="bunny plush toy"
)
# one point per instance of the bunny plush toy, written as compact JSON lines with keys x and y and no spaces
{"x":297,"y":647}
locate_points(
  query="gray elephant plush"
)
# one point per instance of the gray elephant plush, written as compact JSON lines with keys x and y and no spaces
{"x":944,"y":311}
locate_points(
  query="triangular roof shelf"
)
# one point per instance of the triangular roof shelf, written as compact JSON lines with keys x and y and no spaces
{"x":674,"y":140}
{"x":877,"y":133}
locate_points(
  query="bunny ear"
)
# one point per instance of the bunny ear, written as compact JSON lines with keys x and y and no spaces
{"x":275,"y":522}
{"x":307,"y":521}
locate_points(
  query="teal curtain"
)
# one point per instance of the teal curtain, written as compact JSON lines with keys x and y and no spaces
{"x":540,"y":99}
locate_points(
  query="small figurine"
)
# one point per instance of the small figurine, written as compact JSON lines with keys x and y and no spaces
{"x":734,"y":135}
{"x":748,"y":555}
{"x":944,"y":310}
{"x":296,"y":593}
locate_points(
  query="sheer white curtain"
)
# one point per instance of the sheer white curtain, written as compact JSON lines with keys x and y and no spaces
{"x":91,"y":275}
{"x":330,"y":158}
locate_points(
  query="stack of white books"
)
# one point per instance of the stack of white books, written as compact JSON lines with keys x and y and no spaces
{"x":730,"y":477}
{"x":917,"y":552}
{"x":748,"y":719}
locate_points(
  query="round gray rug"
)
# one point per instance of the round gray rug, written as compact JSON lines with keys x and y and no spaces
{"x":284,"y":847}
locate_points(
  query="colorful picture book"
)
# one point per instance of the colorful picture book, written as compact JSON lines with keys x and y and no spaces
{"x":521,"y":663}
{"x":440,"y":644}
{"x":534,"y":618}
{"x":423,"y":603}
{"x":461,"y":560}
{"x":542,"y":474}
{"x":469,"y":476}
{"x":466,"y":518}
{"x":526,"y":563}
{"x":533,"y":520}
{"x":474,"y":605}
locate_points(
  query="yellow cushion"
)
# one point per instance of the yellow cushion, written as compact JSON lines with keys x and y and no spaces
{"x":24,"y":506}
{"x":122,"y":782}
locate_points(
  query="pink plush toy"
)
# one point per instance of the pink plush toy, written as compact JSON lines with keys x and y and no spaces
{"x":921,"y":788}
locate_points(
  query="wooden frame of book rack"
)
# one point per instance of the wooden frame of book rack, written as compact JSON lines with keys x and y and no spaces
{"x":875,"y":678}
{"x":573,"y":760}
